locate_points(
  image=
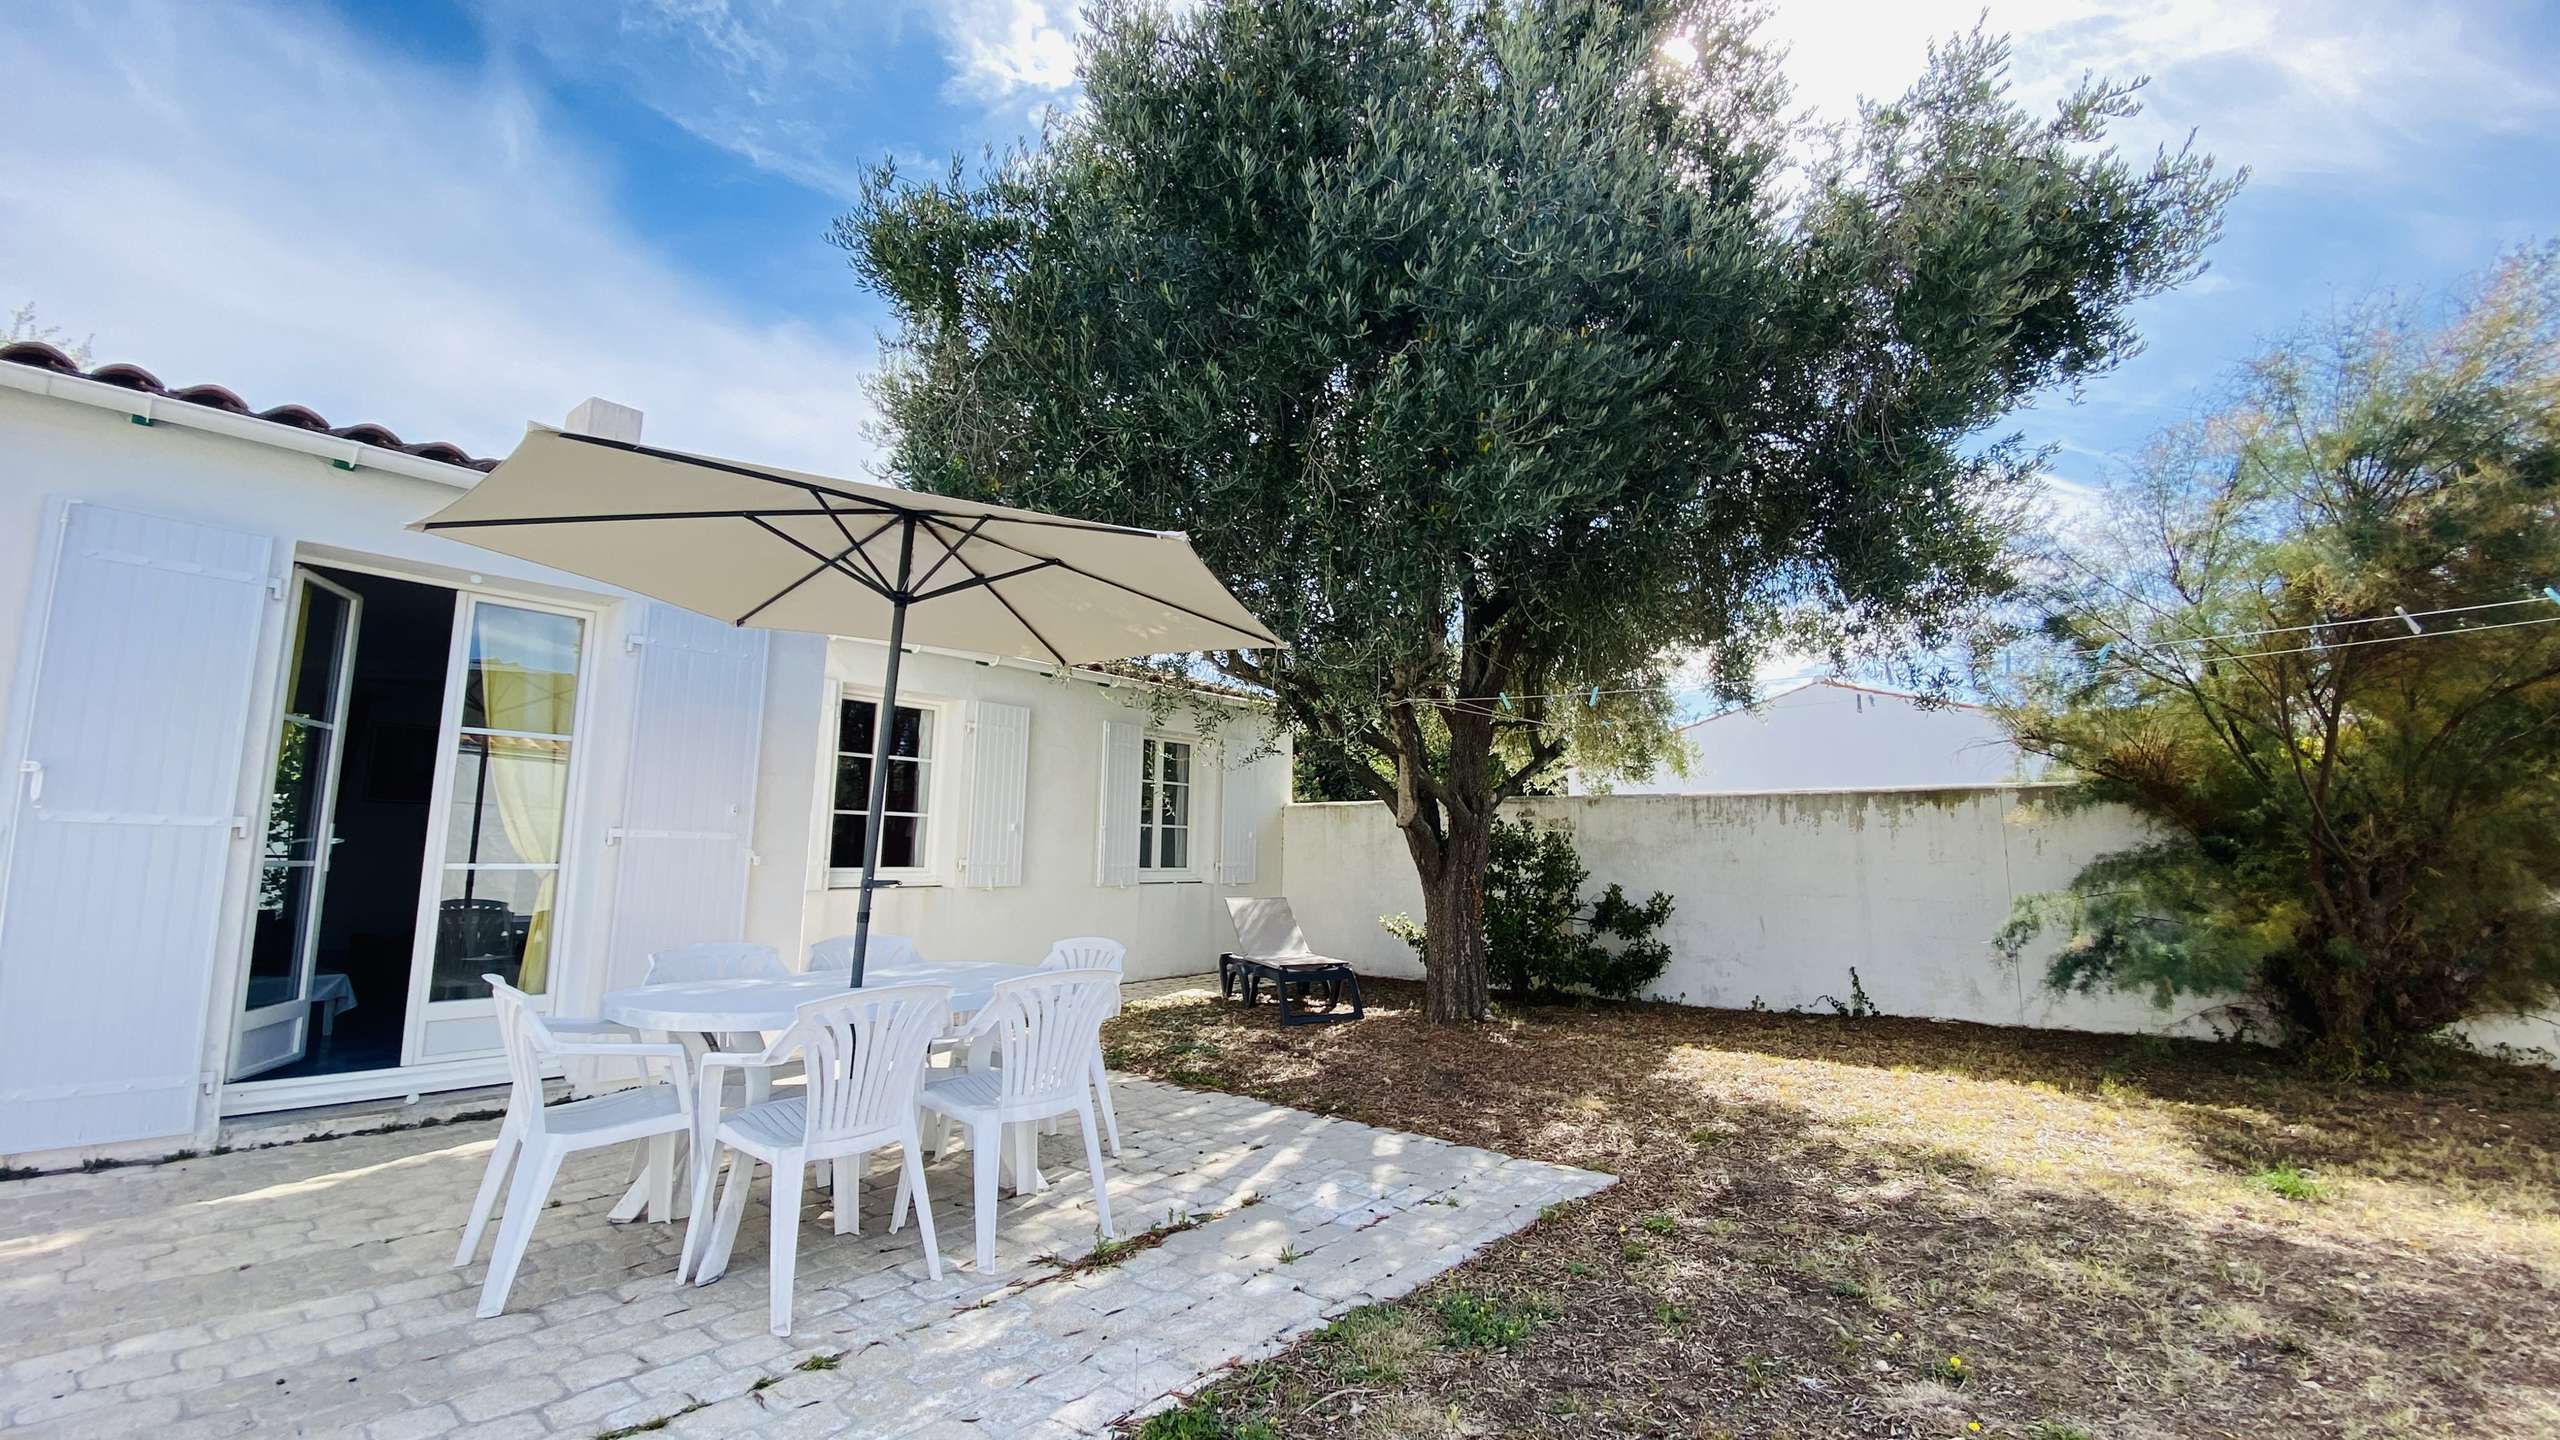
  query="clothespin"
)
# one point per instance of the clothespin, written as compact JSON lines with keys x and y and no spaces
{"x":2407,"y":619}
{"x":1595,"y":697}
{"x":2551,"y":594}
{"x":2106,"y":650}
{"x":1506,"y":699}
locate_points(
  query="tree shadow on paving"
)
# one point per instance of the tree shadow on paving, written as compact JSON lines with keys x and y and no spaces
{"x":1805,"y":1262}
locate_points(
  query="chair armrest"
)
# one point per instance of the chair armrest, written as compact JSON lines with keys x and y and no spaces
{"x":582,"y":1030}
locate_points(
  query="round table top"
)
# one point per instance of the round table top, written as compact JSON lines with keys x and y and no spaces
{"x":731,"y":1005}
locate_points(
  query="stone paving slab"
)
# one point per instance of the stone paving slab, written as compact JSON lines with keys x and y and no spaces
{"x":309,"y":1289}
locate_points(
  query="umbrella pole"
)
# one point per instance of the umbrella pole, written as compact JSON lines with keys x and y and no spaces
{"x":884,"y":720}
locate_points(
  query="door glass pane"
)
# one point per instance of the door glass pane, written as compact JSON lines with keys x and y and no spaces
{"x":317,"y":646}
{"x":523,"y":671}
{"x":275,"y":939}
{"x":493,"y":922}
{"x":509,"y":797}
{"x":294,"y":828}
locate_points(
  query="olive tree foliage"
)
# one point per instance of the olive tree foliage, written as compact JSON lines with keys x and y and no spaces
{"x":2356,"y":827}
{"x":1497,"y":353}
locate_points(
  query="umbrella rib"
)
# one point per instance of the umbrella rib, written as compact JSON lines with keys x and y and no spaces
{"x":1073,"y":568}
{"x":822,"y":567}
{"x":847,"y":531}
{"x":824,"y":563}
{"x":950,"y":551}
{"x":1031,"y":629}
{"x":956,"y":586}
{"x":635,"y":515}
{"x":1059,"y":522}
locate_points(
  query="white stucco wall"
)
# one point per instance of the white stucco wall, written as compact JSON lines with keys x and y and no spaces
{"x":1778,"y":895}
{"x":1829,"y":735}
{"x":1171,"y":927}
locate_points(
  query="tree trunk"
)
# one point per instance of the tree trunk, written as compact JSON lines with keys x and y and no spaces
{"x":1455,"y":966}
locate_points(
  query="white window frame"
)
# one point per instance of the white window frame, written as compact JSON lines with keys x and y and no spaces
{"x":1189,"y":870}
{"x":937,"y":793}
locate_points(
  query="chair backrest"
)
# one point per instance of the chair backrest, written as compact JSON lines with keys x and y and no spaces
{"x":528,"y":1043}
{"x":719,"y":961}
{"x":1086,"y":952}
{"x":1266,"y":927}
{"x":1045,"y":1028}
{"x":836,"y":952}
{"x":864,"y":1052}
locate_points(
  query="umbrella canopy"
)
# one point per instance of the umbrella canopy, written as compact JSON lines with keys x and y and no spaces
{"x":754,"y":545}
{"x":783,"y":550}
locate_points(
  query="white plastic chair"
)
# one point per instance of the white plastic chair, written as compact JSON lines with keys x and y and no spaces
{"x":836,"y":953}
{"x":511,"y":1129}
{"x":863,"y":1052}
{"x":546,"y":1135}
{"x":1093,"y":952}
{"x":1041,"y":1031}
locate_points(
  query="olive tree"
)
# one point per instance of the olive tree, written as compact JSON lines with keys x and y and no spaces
{"x":1498,"y":354}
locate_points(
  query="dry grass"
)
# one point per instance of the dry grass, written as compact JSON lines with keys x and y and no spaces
{"x":2117,"y":1237}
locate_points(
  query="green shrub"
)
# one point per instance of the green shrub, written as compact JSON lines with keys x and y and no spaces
{"x":1541,"y":935}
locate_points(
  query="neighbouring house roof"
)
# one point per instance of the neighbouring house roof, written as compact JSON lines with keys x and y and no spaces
{"x":38,"y":355}
{"x":1830,"y":682}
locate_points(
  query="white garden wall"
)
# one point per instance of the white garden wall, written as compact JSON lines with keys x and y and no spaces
{"x":1779,"y":894}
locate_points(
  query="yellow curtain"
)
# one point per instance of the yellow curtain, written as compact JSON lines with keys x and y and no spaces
{"x":530,"y":780}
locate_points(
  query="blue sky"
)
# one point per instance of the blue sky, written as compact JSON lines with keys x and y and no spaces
{"x":454,"y":216}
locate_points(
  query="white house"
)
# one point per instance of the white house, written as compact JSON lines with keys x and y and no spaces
{"x":1832,"y":735}
{"x":289,"y":778}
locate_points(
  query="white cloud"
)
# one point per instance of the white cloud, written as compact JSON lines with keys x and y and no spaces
{"x":2293,"y":87}
{"x":269,"y":204}
{"x":1004,"y":48}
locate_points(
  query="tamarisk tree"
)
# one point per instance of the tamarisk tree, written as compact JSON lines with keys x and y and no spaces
{"x":1497,"y":353}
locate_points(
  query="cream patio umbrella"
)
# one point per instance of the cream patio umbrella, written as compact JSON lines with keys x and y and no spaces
{"x":783,"y":550}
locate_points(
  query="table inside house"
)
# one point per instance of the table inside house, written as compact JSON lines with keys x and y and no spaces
{"x":696,"y":1013}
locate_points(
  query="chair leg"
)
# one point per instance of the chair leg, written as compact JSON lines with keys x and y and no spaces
{"x":699,"y":1222}
{"x":536,"y":1169}
{"x":1110,"y":1117}
{"x":1093,"y":1164}
{"x":500,"y":1155}
{"x":911,"y":1175}
{"x":788,"y":1171}
{"x":847,"y":1191}
{"x":662,"y":1178}
{"x":986,"y":1144}
{"x":724,"y":1225}
{"x":636,"y":1198}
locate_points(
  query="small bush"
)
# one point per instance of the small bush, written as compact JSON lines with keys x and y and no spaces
{"x":1541,"y":935}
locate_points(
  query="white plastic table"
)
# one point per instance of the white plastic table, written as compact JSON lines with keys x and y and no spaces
{"x":696,"y":1012}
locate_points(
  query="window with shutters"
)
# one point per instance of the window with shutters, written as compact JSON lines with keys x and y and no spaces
{"x":916,"y":760}
{"x":1165,"y":809}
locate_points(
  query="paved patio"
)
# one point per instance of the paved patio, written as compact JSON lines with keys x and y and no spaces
{"x":308,"y":1289}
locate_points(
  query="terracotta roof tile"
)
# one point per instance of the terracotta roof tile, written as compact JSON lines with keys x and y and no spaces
{"x":38,"y":355}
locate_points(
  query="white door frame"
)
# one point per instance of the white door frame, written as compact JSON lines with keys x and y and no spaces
{"x":575,"y":790}
{"x":296,"y":1010}
{"x":411,"y":1078}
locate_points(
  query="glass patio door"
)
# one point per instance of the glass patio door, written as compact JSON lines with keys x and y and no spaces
{"x":490,"y":904}
{"x":300,"y":835}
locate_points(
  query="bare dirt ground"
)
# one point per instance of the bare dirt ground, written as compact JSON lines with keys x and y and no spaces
{"x":1886,"y":1227}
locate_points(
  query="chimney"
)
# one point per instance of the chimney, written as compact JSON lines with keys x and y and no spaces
{"x":605,"y":420}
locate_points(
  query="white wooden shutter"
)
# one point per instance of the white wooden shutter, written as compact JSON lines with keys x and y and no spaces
{"x":999,"y":780}
{"x":140,"y":673}
{"x":682,"y":847}
{"x":1116,"y":854}
{"x":1242,"y":806}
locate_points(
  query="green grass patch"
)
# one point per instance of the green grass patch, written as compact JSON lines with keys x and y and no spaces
{"x":2292,"y":1183}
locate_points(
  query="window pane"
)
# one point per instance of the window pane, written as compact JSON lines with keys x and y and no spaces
{"x":906,"y":786}
{"x":293,"y":818}
{"x":509,"y":798}
{"x":853,"y":782}
{"x":901,"y":841}
{"x":1177,"y":762}
{"x":320,"y":630}
{"x":1146,"y":847}
{"x":524,"y":670}
{"x":1173,"y":848}
{"x":912,"y":737}
{"x":1174,"y":808}
{"x":275,"y":941}
{"x":493,"y":922}
{"x":853,"y":728}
